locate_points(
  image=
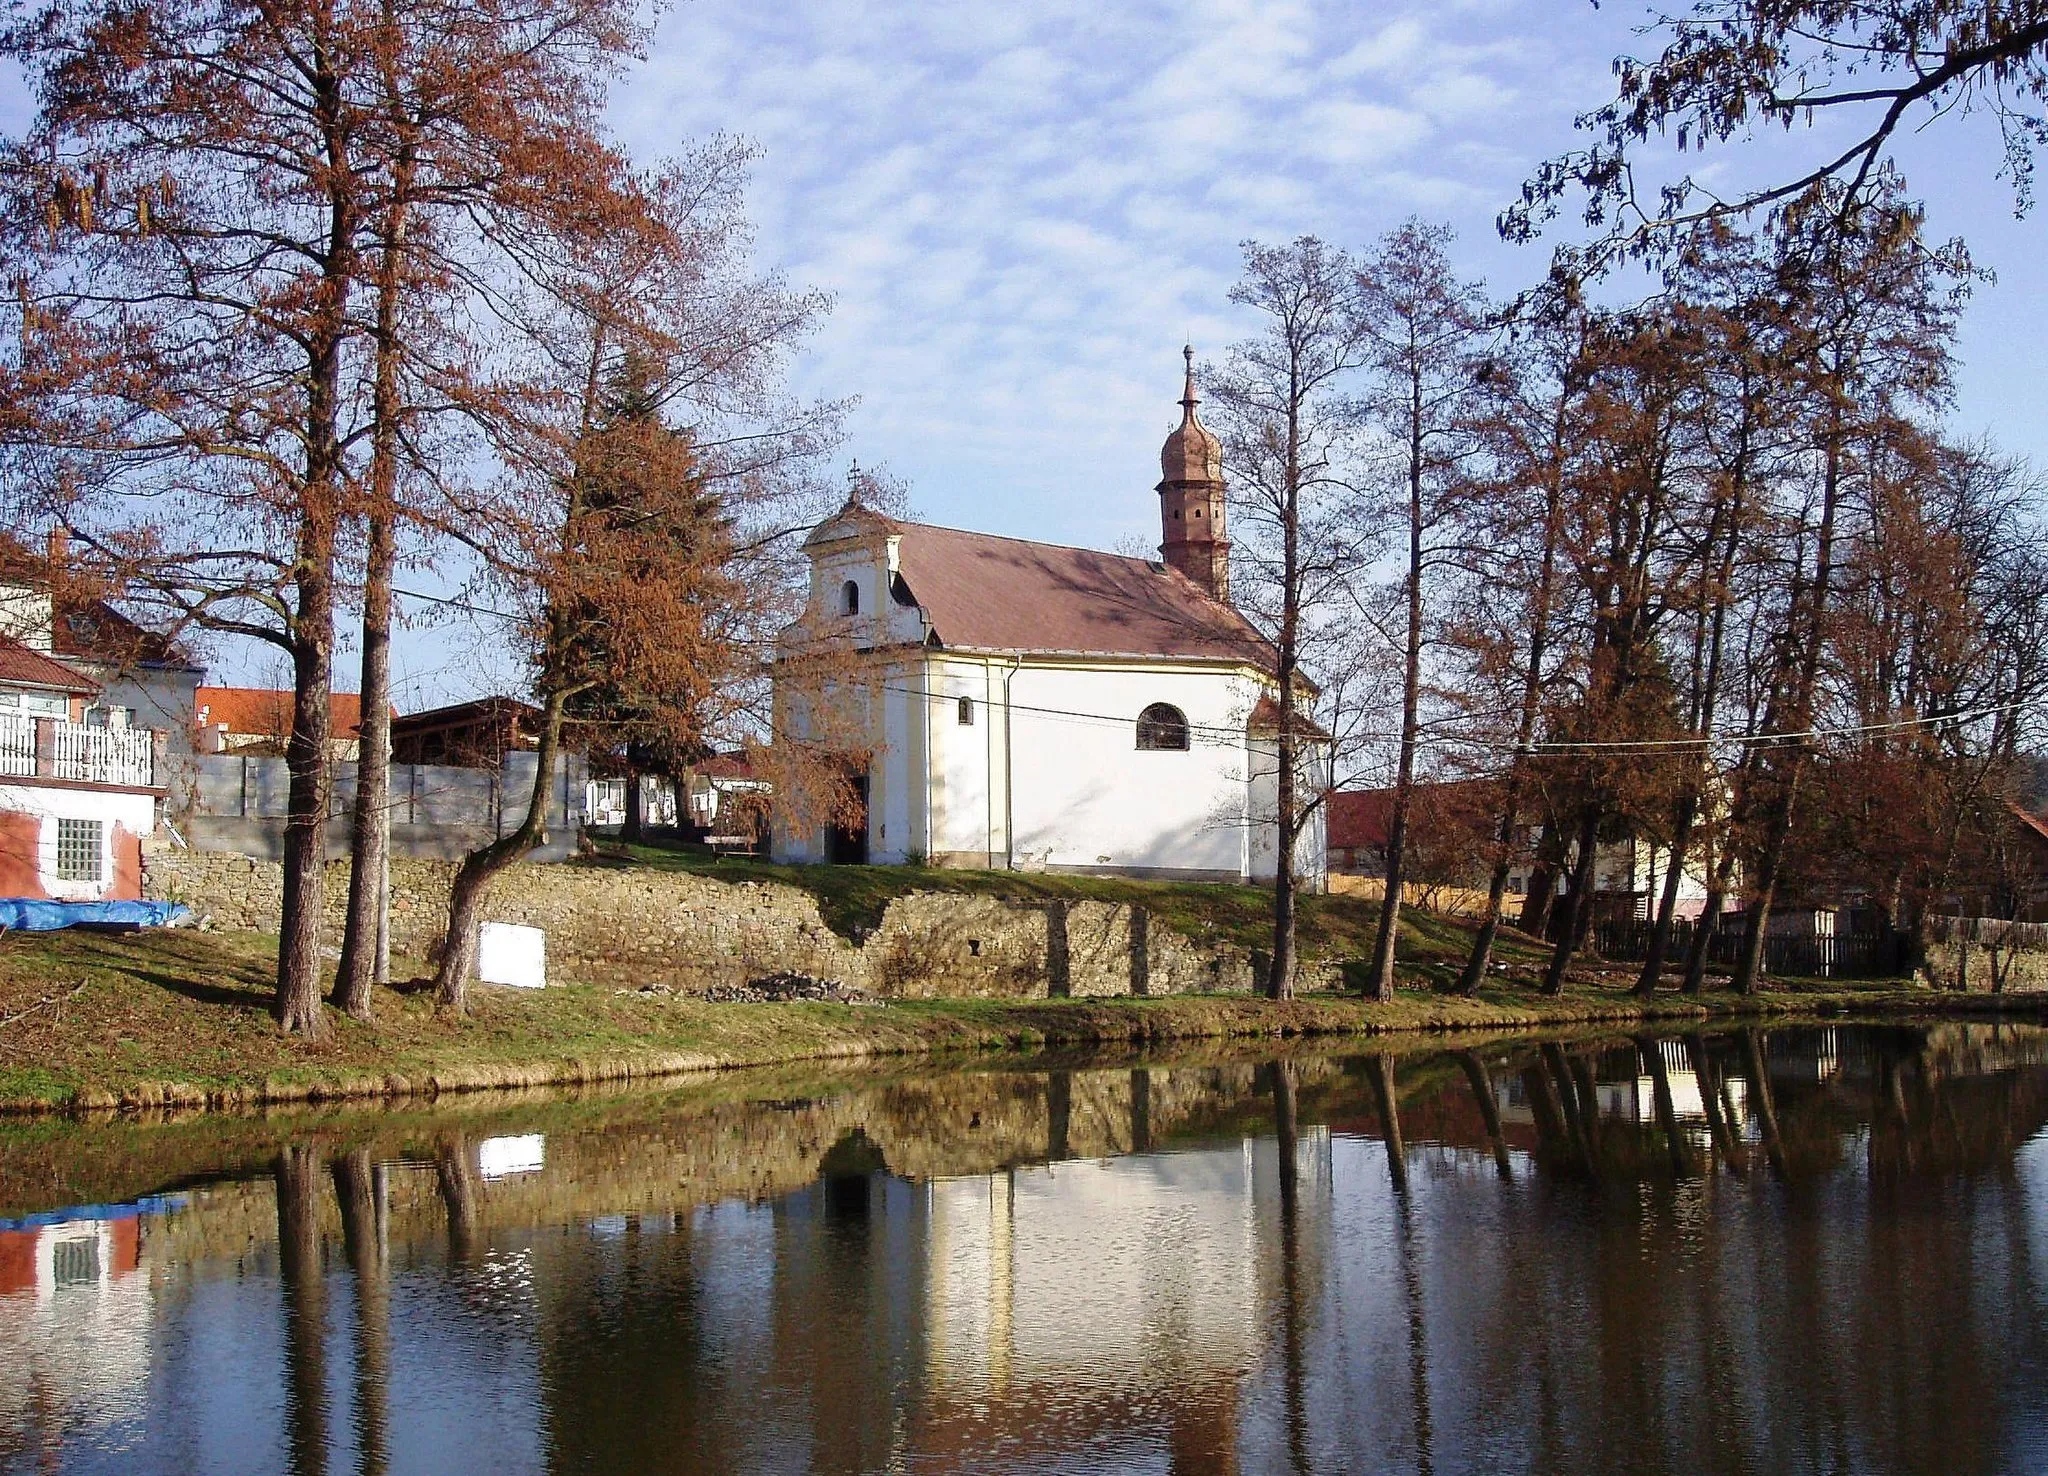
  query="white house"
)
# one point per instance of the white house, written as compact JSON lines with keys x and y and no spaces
{"x":139,"y":678}
{"x":77,"y":796}
{"x":1029,"y":706}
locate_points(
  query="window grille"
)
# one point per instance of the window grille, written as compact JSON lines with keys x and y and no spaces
{"x":78,"y":850}
{"x":1162,"y":726}
{"x":966,"y":712}
{"x":75,"y":1262}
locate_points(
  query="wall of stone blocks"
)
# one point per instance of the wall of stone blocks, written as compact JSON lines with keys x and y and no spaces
{"x":636,"y":927}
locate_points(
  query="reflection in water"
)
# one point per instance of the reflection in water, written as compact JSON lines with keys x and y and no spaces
{"x":1548,"y":1257}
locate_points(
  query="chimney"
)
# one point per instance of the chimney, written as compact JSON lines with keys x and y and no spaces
{"x":60,"y":550}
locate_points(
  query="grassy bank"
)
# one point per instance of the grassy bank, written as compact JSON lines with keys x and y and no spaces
{"x":181,"y":1018}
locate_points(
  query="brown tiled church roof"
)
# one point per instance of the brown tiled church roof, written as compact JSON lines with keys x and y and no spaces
{"x":1006,"y":594}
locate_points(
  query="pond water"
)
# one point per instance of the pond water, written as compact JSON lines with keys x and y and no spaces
{"x":1812,"y":1249}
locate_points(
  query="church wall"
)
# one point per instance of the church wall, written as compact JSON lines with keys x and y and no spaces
{"x":1311,"y":851}
{"x":968,"y":820}
{"x":1086,"y":797}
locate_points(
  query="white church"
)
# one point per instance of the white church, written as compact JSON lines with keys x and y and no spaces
{"x":1028,"y":706}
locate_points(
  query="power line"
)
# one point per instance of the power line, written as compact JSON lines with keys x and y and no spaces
{"x":1743,"y":740}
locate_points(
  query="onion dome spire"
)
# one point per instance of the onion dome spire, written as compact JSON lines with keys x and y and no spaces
{"x":1191,"y":453}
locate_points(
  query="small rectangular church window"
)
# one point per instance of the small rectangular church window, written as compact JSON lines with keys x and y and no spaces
{"x":966,"y":712}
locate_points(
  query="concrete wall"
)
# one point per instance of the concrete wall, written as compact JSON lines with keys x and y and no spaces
{"x":629,"y":926}
{"x":437,"y":811}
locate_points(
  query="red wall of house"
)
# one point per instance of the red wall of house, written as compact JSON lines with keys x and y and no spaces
{"x":127,"y":876}
{"x":17,"y":1261}
{"x":20,"y":876}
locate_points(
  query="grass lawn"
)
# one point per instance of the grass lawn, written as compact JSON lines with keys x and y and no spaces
{"x":182,"y":1018}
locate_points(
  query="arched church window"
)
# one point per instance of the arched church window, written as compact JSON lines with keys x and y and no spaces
{"x":849,"y":598}
{"x":1162,"y":726}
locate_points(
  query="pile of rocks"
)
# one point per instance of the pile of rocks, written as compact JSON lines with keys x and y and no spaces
{"x":780,"y":988}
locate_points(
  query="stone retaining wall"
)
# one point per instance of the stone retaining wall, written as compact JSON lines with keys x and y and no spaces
{"x":1953,"y":964}
{"x":637,"y":926}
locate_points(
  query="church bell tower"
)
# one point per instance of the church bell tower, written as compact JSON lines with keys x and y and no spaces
{"x":1191,"y":498}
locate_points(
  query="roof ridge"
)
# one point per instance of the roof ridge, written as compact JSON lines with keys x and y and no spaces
{"x":1157,"y":565}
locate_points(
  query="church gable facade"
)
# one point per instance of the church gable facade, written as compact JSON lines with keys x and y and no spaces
{"x":1035,"y":707}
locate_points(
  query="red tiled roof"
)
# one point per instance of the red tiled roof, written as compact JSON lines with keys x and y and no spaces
{"x":1006,"y":594}
{"x":30,"y":668}
{"x":266,"y":712}
{"x":726,"y":766}
{"x":83,"y":628}
{"x":2036,"y":823}
{"x":1358,"y":818}
{"x":96,"y":631}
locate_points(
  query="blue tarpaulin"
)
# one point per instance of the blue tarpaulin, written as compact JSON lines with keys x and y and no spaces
{"x":32,"y":916}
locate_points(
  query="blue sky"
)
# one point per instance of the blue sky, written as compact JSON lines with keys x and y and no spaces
{"x":1023,"y":210}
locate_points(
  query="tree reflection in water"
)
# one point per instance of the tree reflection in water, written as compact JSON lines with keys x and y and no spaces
{"x":1549,"y":1255}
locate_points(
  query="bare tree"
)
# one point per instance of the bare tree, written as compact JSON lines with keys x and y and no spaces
{"x":1290,"y":432}
{"x":1427,"y":331}
{"x":657,"y":473}
{"x":1730,"y":68}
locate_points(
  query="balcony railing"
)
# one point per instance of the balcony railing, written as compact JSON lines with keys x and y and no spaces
{"x":54,"y":748}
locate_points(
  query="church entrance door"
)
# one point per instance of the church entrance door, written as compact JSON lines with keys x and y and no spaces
{"x":847,"y":844}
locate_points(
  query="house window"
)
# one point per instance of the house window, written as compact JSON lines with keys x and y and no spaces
{"x":1162,"y":726}
{"x":78,"y":850}
{"x":849,"y":598}
{"x":966,"y":712}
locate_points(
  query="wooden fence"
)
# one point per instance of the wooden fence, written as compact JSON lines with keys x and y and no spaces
{"x":1869,"y":954}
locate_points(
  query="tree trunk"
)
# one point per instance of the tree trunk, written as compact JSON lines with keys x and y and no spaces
{"x":309,"y":792}
{"x":1489,"y":1109}
{"x":1697,"y":956}
{"x":1481,"y":956}
{"x":311,"y":627}
{"x":297,"y":1178}
{"x":1537,"y":906}
{"x":633,"y":827}
{"x":1387,"y":940}
{"x":471,"y":886}
{"x":1578,"y":902}
{"x":1667,"y":900}
{"x":1756,"y":918}
{"x":1388,"y":1095}
{"x":370,"y":835}
{"x":1280,"y":980}
{"x":363,"y":941}
{"x":358,"y":1186}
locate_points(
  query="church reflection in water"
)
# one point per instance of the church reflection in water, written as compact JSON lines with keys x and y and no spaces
{"x":1733,"y":1253}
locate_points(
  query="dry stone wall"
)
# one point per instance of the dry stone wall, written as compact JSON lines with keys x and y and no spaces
{"x":636,"y":926}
